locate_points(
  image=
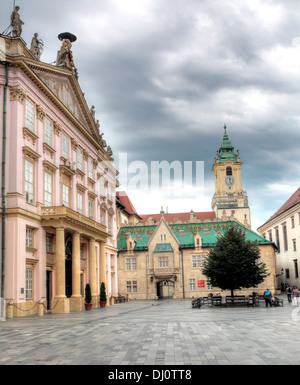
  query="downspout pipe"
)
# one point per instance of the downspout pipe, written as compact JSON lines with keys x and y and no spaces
{"x":3,"y":181}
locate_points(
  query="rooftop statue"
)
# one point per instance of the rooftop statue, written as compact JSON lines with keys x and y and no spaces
{"x":92,"y":111}
{"x":109,"y":151}
{"x":16,"y":22}
{"x":65,"y":55}
{"x":36,"y":47}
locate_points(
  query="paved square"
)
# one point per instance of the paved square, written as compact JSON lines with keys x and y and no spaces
{"x":167,"y":332}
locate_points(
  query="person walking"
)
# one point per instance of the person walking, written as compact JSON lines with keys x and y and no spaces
{"x":268,"y":298}
{"x":289,"y":293}
{"x":295,"y":296}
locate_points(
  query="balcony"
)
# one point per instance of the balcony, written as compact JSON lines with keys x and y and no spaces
{"x":165,"y":272}
{"x":61,"y":216}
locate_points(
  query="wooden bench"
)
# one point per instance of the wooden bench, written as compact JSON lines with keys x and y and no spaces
{"x":119,"y":299}
{"x":196,"y":303}
{"x":277,"y":302}
{"x":215,"y":301}
{"x":253,"y":301}
{"x":237,"y":300}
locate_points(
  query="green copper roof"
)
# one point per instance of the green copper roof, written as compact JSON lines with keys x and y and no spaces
{"x":184,"y":233}
{"x":163,"y":247}
{"x":226,"y":151}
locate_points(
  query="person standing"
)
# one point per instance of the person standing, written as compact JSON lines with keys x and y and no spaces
{"x":295,"y":296}
{"x":268,"y":298}
{"x":289,"y":293}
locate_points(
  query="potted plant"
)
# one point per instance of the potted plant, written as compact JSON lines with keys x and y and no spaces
{"x":88,"y":297}
{"x":102,"y":295}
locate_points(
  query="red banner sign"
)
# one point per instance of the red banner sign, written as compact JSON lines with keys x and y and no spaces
{"x":201,"y":283}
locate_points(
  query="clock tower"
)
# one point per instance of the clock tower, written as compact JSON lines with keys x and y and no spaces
{"x":229,"y":200}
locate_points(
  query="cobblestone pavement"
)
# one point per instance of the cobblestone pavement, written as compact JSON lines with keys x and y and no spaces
{"x":167,"y":332}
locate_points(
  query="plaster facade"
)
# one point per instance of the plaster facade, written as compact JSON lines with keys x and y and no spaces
{"x":283,"y":228}
{"x":59,"y":212}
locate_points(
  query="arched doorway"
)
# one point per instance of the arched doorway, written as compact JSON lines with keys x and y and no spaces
{"x":165,"y":289}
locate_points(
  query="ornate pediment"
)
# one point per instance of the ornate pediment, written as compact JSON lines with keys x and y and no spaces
{"x":62,"y":89}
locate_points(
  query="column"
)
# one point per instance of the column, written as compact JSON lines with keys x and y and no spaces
{"x":60,"y":303}
{"x":92,"y":271}
{"x":76,"y":301}
{"x":103,"y":263}
{"x":103,"y":267}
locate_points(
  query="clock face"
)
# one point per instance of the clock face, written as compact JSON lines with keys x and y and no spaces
{"x":229,"y":180}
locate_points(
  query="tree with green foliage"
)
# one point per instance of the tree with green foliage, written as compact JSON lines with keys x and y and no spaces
{"x":234,"y":262}
{"x":88,"y":294}
{"x":102,"y":292}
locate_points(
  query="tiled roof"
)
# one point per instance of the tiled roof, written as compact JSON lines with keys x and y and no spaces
{"x":126,"y":202}
{"x":172,"y":217}
{"x":163,"y":247}
{"x":226,"y":151}
{"x":185,"y":234}
{"x":292,"y":201}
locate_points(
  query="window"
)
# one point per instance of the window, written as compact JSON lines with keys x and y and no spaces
{"x":163,"y":261}
{"x":293,"y":222}
{"x":294,"y":245}
{"x":65,"y":146}
{"x":109,"y":191}
{"x":285,"y":241}
{"x":109,"y":224}
{"x":28,"y":179}
{"x":287,"y":273}
{"x":79,"y":203}
{"x":130,"y":264}
{"x":163,"y":237}
{"x":48,"y":132}
{"x":102,"y":217}
{"x":134,"y":286}
{"x":91,"y":209}
{"x":270,"y":235}
{"x":49,"y":242}
{"x":29,"y":237}
{"x":277,"y":239}
{"x":131,"y":287}
{"x":90,"y":168}
{"x":128,"y":286}
{"x":102,"y":186}
{"x":192,"y":284}
{"x":209,"y":285}
{"x":79,"y":159}
{"x":198,"y":260}
{"x":296,"y":268}
{"x":47,"y":189}
{"x":29,"y":284}
{"x":29,"y":115}
{"x":65,"y":195}
{"x":228,"y":171}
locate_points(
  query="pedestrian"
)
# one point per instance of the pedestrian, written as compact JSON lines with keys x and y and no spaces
{"x":268,"y":298}
{"x":295,"y":296}
{"x":289,"y":293}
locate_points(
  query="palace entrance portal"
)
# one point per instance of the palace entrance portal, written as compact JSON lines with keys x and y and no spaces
{"x":165,"y":289}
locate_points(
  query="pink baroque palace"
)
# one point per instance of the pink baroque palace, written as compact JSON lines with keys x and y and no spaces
{"x":58,"y":181}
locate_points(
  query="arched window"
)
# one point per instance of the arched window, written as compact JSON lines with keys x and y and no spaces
{"x":228,"y":171}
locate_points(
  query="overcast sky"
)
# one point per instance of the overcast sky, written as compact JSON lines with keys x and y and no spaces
{"x":165,"y":75}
